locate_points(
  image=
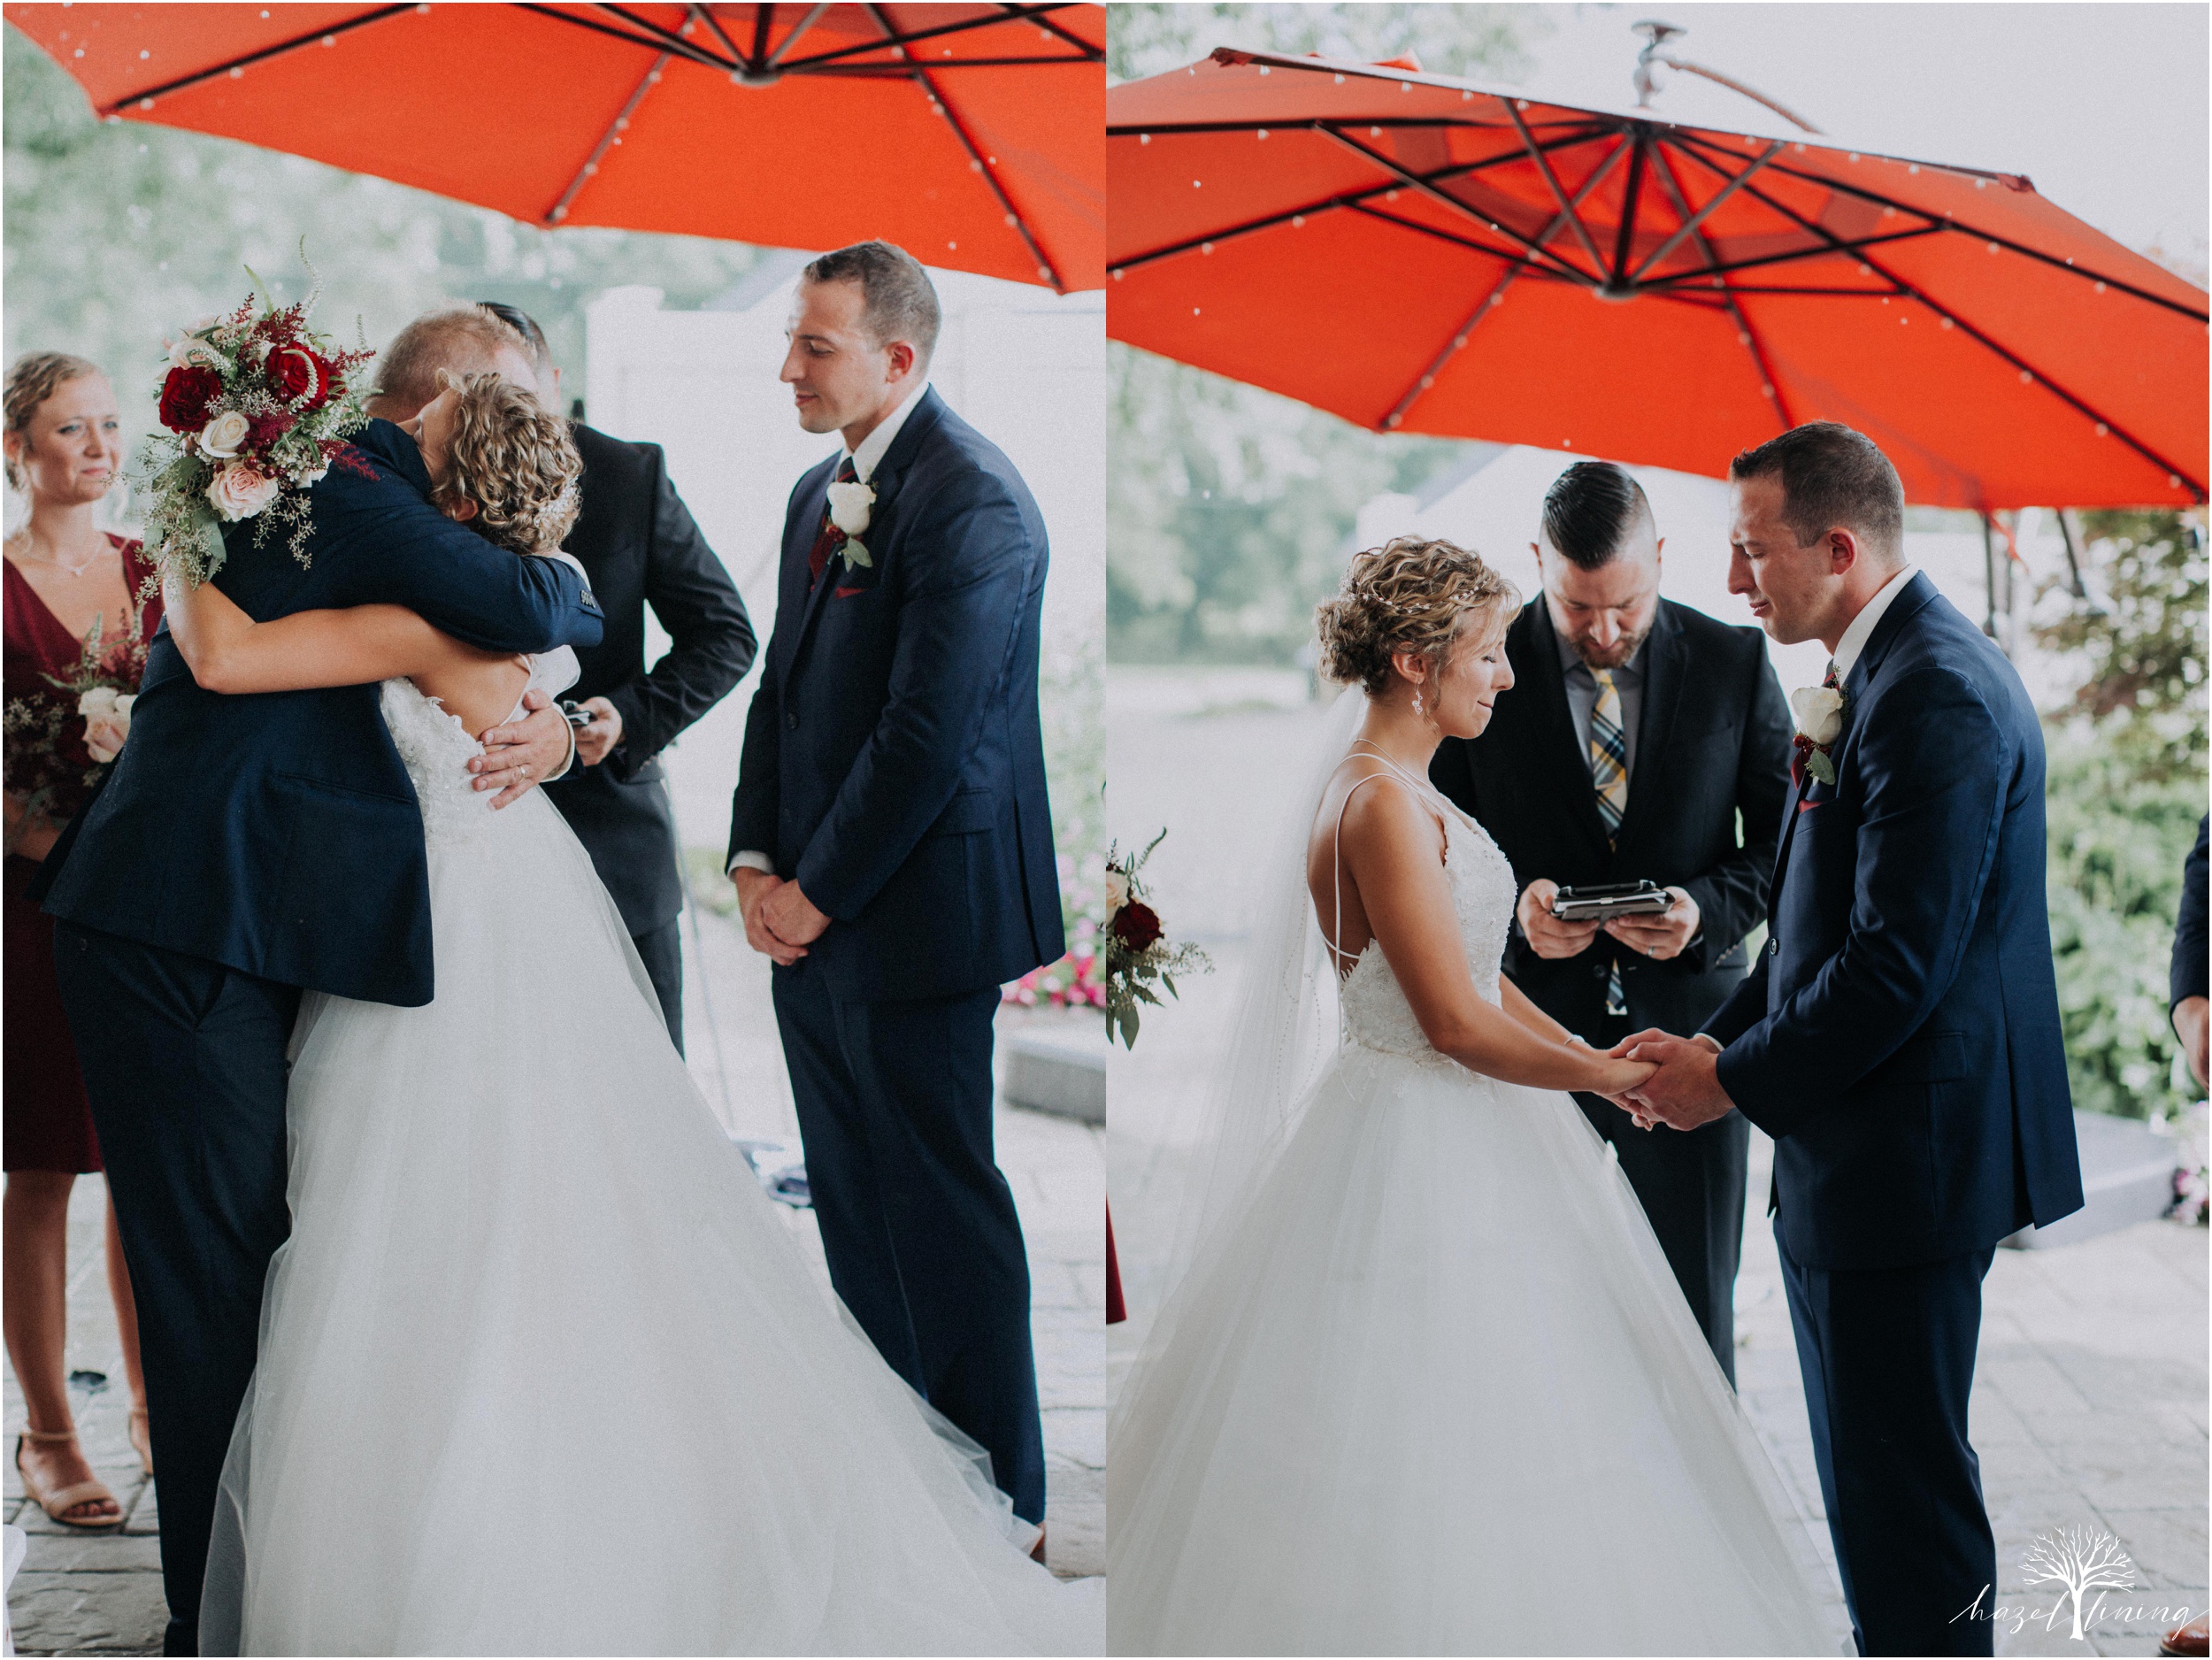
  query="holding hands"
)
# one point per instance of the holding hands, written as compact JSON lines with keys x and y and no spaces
{"x":1684,"y":1091}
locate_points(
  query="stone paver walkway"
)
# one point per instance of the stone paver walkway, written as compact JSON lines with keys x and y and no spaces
{"x":101,"y":1593}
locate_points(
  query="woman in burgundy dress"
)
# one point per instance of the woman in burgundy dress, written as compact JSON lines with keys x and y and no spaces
{"x":63,"y":441}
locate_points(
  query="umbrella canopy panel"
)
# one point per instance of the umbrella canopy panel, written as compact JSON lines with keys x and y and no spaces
{"x":1418,"y":253}
{"x":969,"y":135}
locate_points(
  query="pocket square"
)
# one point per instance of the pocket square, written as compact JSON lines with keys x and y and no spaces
{"x":1807,"y":806}
{"x":847,"y":593}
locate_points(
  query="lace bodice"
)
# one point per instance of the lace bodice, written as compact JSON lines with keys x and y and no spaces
{"x":436,"y":747}
{"x":1376,"y":1013}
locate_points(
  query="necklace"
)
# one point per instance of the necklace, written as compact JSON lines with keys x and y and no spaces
{"x":79,"y":569}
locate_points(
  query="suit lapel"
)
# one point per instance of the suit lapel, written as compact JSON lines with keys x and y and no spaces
{"x":884,"y":482}
{"x":1556,"y":736}
{"x":799,"y":530}
{"x":1908,"y":603}
{"x":1655,"y":721}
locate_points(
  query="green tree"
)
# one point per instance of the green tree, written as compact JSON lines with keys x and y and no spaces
{"x":1228,"y":507}
{"x":2126,"y":787}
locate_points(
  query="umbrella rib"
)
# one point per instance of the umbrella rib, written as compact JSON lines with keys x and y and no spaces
{"x":706,"y":14}
{"x":1690,"y":226}
{"x":1953,"y":223}
{"x":775,"y":58}
{"x":1044,"y":22}
{"x":261,"y":55}
{"x":1624,"y":237}
{"x":657,"y":40}
{"x":1508,"y":255}
{"x":1418,"y":181}
{"x":1343,"y":199}
{"x":1543,"y":166}
{"x":763,"y":14}
{"x":558,"y":211}
{"x":978,"y":162}
{"x":667,"y":40}
{"x":1699,"y":273}
{"x":898,"y":42}
{"x":1768,"y":381}
{"x":1497,"y":293}
{"x":2079,"y":405}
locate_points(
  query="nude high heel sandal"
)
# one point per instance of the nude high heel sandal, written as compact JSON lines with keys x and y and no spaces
{"x":60,"y":1501}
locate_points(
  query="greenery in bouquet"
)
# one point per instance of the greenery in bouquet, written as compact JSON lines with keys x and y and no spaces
{"x":56,"y":742}
{"x":1139,"y":954}
{"x":257,"y":407}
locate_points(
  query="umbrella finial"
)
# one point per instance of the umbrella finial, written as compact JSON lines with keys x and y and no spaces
{"x":1656,"y":36}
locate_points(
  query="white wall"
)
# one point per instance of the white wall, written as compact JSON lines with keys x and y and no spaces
{"x":1025,"y":367}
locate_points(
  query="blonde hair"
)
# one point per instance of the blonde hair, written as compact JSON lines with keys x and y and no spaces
{"x":514,"y":460}
{"x":1409,"y":595}
{"x":33,"y":379}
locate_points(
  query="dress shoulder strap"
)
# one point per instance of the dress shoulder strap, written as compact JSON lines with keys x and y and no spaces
{"x":1394,"y":773}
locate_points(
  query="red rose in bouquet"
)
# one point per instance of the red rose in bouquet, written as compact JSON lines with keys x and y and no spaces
{"x":1137,"y":925}
{"x":267,"y":429}
{"x":186,"y":395}
{"x":298,"y":375}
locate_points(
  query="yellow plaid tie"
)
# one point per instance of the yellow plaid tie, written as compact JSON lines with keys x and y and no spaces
{"x":1609,"y":772}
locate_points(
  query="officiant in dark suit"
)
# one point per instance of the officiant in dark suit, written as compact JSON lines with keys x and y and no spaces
{"x":637,"y":540}
{"x":1644,"y":741}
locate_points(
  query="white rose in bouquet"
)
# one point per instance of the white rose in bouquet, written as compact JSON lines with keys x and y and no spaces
{"x":1117,"y":891}
{"x":107,"y":721}
{"x":1819,"y":712}
{"x":221,"y":436}
{"x":240,"y":491}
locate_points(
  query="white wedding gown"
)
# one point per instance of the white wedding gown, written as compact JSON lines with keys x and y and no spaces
{"x":541,"y":1371}
{"x":1432,"y":1388}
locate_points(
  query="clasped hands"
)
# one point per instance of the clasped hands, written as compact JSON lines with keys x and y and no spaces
{"x":780,"y":922}
{"x":1684,"y":1092}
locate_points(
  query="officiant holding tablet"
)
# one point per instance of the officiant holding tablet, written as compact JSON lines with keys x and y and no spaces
{"x":1640,"y":735}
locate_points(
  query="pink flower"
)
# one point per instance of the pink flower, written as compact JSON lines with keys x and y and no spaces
{"x":240,"y":490}
{"x":107,"y":721}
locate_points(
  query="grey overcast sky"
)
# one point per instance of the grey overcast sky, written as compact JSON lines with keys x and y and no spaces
{"x":2104,"y":106}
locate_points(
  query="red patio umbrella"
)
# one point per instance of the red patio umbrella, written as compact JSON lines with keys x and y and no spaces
{"x":1420,"y":253}
{"x":970,"y":135}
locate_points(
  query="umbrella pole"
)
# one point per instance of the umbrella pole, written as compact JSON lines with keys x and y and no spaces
{"x":1989,"y":578}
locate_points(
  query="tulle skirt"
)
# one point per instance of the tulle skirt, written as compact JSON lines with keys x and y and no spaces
{"x":540,"y":1370}
{"x":1433,"y":1390}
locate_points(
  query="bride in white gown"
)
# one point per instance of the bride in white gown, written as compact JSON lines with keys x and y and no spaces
{"x":1423,"y":1383}
{"x":541,"y":1371}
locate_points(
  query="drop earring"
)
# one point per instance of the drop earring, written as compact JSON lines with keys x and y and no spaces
{"x":1418,"y":708}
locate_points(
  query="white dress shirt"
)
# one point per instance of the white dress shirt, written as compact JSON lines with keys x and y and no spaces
{"x":1862,"y":628}
{"x":865,"y":460}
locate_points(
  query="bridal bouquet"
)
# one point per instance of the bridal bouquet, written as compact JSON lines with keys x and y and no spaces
{"x":50,"y":759}
{"x":257,"y":407}
{"x":1138,"y":952}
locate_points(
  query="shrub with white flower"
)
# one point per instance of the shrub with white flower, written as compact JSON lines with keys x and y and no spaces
{"x":257,"y":407}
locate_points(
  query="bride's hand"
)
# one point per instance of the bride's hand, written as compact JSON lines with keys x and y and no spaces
{"x":1617,"y":1078}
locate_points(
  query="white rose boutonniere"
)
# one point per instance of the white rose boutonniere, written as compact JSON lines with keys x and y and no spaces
{"x":107,"y":721}
{"x":1818,"y":711}
{"x":848,"y":505}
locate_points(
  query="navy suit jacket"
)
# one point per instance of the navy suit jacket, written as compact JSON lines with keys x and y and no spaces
{"x":894,"y":760}
{"x":277,"y":833}
{"x":638,"y":543}
{"x":1899,"y":1036}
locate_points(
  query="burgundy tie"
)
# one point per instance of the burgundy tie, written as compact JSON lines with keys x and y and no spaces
{"x":829,"y":538}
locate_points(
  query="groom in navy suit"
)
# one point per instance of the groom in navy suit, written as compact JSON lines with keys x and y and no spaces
{"x":243,"y":848}
{"x":1899,"y":1038}
{"x":891,"y":842}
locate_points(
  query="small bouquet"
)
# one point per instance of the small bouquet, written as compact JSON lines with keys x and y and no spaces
{"x":56,"y":767}
{"x":260,"y":406}
{"x":1138,"y":953}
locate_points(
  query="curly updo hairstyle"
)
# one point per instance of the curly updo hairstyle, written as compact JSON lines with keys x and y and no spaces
{"x":1408,"y":595}
{"x":517,"y":461}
